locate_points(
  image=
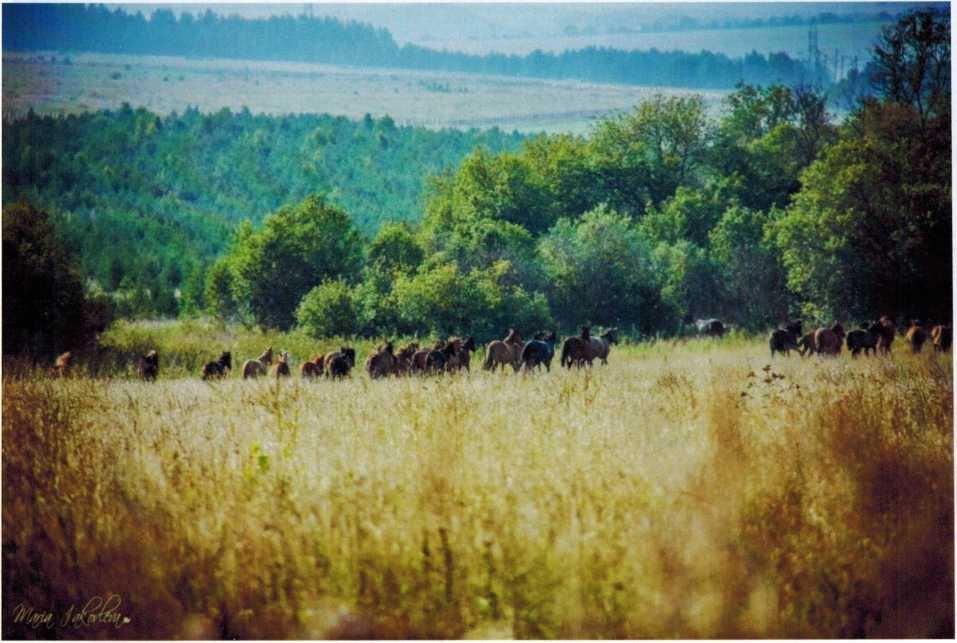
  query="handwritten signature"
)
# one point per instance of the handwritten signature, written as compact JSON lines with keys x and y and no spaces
{"x":97,"y":610}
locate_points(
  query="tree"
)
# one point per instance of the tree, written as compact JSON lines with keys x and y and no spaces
{"x":297,"y":248}
{"x":394,"y":249}
{"x":328,"y":310}
{"x":912,"y":62}
{"x":45,"y":310}
{"x":598,"y":268}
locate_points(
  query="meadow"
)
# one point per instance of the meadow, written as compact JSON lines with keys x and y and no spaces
{"x":61,"y":83}
{"x":690,"y":488}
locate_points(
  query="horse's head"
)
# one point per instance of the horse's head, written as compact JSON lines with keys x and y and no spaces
{"x":350,"y":354}
{"x":226,"y":359}
{"x":586,"y":332}
{"x":610,"y":336}
{"x":469,"y":344}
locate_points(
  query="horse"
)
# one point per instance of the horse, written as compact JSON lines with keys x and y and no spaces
{"x":887,"y":332}
{"x":916,"y":336}
{"x":462,"y":357}
{"x":864,"y":339}
{"x":403,"y":359}
{"x":501,"y":353}
{"x":339,"y":363}
{"x":281,"y":368}
{"x":807,"y":345}
{"x":578,"y":350}
{"x":382,"y":362}
{"x":828,"y":340}
{"x":710,"y":327}
{"x":601,"y":346}
{"x":942,"y":337}
{"x":259,"y":366}
{"x":782,"y":341}
{"x":62,"y":364}
{"x":539,"y":351}
{"x":310,"y":370}
{"x":219,"y":368}
{"x":149,"y":366}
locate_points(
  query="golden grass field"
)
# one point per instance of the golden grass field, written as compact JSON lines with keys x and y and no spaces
{"x":681,"y":491}
{"x":163,"y":84}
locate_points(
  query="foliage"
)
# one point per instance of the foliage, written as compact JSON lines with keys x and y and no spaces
{"x":327,"y":310}
{"x":45,"y":308}
{"x":296,"y":249}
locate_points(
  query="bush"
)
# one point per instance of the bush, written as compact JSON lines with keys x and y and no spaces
{"x":328,"y":310}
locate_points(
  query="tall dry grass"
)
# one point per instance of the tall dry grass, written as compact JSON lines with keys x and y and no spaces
{"x":681,"y":491}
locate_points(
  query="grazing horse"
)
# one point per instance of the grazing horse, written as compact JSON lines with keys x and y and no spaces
{"x":281,"y":368}
{"x":219,"y":368}
{"x":601,"y":346}
{"x":828,"y":340}
{"x":61,"y":367}
{"x":710,"y":327}
{"x":259,"y":366}
{"x":577,"y":350}
{"x":403,"y":359}
{"x":887,"y":332}
{"x":504,"y":352}
{"x":916,"y":336}
{"x":864,"y":339}
{"x":149,"y":366}
{"x":539,"y":351}
{"x":942,"y":337}
{"x":381,"y":363}
{"x":339,"y":363}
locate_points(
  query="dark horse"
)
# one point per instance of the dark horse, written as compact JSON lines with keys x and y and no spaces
{"x":149,"y":366}
{"x":577,"y":350}
{"x":539,"y":351}
{"x":219,"y":368}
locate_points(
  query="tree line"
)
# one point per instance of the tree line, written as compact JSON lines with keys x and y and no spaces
{"x":146,"y":199}
{"x":95,"y":28}
{"x":769,"y":212}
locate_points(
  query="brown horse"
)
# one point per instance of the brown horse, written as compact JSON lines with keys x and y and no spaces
{"x":219,"y":368}
{"x":829,"y":340}
{"x":310,"y":370}
{"x":916,"y":336}
{"x":601,"y":345}
{"x":338,"y":364}
{"x":253,"y":368}
{"x":462,"y":357}
{"x":61,"y":367}
{"x":281,"y":368}
{"x":501,"y":353}
{"x":806,"y":345}
{"x":578,"y":350}
{"x":382,"y":362}
{"x":887,"y":331}
{"x":149,"y":366}
{"x":942,"y":336}
{"x":403,"y":359}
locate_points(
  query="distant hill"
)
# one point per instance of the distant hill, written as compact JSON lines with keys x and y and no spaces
{"x":95,"y":28}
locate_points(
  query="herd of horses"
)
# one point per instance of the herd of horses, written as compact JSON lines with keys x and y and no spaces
{"x":871,"y":338}
{"x":455,"y":354}
{"x":445,"y":356}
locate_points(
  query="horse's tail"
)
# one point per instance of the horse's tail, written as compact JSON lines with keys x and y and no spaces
{"x":487,"y":365}
{"x":566,"y":354}
{"x":526,"y":353}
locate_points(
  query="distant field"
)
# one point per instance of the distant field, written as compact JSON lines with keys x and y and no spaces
{"x":850,"y":39}
{"x":67,"y":83}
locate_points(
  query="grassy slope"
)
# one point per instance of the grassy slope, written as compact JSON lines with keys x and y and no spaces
{"x":667,"y":494}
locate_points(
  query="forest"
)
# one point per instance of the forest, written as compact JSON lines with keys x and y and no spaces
{"x":95,"y":28}
{"x":768,"y":212}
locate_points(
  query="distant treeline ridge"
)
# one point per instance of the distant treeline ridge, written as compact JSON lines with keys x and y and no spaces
{"x":95,"y":28}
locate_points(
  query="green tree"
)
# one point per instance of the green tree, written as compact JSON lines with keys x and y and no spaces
{"x":328,"y":310}
{"x":45,"y":310}
{"x":297,"y":248}
{"x":395,"y":248}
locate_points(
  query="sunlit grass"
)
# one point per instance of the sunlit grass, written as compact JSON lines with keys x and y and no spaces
{"x":680,"y":491}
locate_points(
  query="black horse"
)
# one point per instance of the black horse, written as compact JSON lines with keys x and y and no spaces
{"x":539,"y":351}
{"x":219,"y":368}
